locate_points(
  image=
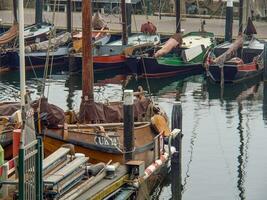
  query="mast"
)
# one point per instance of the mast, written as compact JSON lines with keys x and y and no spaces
{"x":69,"y":13}
{"x":129,"y":17}
{"x":15,"y":5}
{"x":21,"y":53}
{"x":38,"y":11}
{"x":23,"y":95}
{"x":124,"y":23}
{"x":87,"y":63}
{"x":240,"y":16}
{"x":229,"y":21}
{"x":178,"y":16}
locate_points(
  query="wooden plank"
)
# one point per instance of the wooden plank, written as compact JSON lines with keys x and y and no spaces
{"x":50,"y":160}
{"x":66,"y":170}
{"x":106,"y":186}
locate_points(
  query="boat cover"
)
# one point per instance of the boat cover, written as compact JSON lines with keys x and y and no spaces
{"x":9,"y":35}
{"x":54,"y":43}
{"x":111,"y":113}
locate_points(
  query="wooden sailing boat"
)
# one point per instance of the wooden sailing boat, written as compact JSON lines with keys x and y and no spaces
{"x":112,"y":56}
{"x":238,"y":61}
{"x":98,"y":132}
{"x":186,"y":59}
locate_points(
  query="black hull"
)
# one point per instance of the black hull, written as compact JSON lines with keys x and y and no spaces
{"x":34,"y":62}
{"x":149,"y":67}
{"x":231,"y":74}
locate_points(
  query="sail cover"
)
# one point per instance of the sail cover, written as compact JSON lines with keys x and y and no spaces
{"x":54,"y":43}
{"x":9,"y":35}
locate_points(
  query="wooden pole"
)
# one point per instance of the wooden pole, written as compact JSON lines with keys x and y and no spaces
{"x":240,"y":16}
{"x":128,"y":119}
{"x":264,"y":105}
{"x":229,"y":21}
{"x":176,"y":159}
{"x":129,"y":18}
{"x":87,"y":62}
{"x":265,"y":62}
{"x":178,"y":16}
{"x":38,"y":11}
{"x":69,"y":16}
{"x":15,"y":6}
{"x":124,"y":23}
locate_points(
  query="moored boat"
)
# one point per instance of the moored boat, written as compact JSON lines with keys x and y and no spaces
{"x":186,"y":59}
{"x":36,"y":53}
{"x":111,"y":56}
{"x":237,"y":61}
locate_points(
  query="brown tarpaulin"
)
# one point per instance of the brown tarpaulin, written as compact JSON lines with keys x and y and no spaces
{"x":7,"y":109}
{"x":92,"y":112}
{"x":9,"y":35}
{"x":55,"y":115}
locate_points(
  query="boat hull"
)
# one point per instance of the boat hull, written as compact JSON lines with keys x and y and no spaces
{"x":38,"y":59}
{"x":233,"y":73}
{"x":151,"y":68}
{"x":98,"y":148}
{"x":101,"y":63}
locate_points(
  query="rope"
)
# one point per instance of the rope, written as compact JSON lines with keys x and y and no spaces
{"x":48,"y":55}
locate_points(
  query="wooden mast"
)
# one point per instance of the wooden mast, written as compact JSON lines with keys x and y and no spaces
{"x":15,"y":5}
{"x":240,"y":16}
{"x":87,"y":61}
{"x":38,"y":11}
{"x":124,"y":24}
{"x":178,"y":16}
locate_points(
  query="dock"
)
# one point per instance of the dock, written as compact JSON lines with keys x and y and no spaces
{"x":164,"y":26}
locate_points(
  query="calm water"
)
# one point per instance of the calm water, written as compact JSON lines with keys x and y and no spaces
{"x":225,"y":137}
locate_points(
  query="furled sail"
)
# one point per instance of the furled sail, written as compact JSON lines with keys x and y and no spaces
{"x":54,"y":43}
{"x":231,"y":51}
{"x":9,"y":35}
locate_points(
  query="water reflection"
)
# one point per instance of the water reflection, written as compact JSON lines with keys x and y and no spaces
{"x":203,"y":104}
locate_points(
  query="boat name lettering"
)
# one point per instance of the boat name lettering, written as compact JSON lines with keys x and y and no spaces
{"x":104,"y":141}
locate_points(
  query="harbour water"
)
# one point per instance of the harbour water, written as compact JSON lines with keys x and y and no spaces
{"x":224,"y":143}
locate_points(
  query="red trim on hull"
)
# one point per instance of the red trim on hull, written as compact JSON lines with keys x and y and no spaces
{"x":109,"y":59}
{"x":247,"y":67}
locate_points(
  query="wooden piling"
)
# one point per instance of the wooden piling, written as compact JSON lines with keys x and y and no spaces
{"x":128,"y":119}
{"x":229,"y":21}
{"x":265,"y":62}
{"x":264,"y":104}
{"x":176,"y":163}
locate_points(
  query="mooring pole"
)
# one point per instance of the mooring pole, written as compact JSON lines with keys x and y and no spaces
{"x":129,"y":17}
{"x":128,"y":121}
{"x":38,"y":11}
{"x":240,"y":16}
{"x":176,"y":159}
{"x":124,"y":23}
{"x":69,"y":16}
{"x":265,"y":62}
{"x":229,"y":21}
{"x":178,"y":16}
{"x":264,"y":105}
